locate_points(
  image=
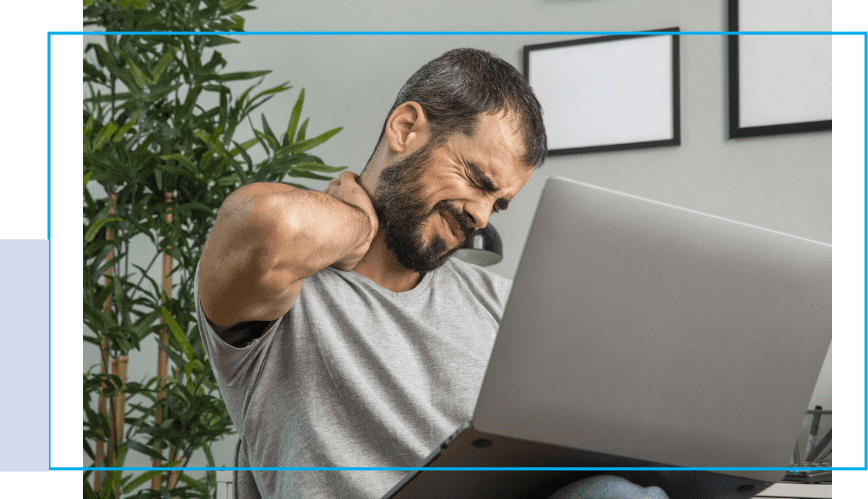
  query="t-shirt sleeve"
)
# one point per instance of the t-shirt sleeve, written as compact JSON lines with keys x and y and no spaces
{"x":234,"y":366}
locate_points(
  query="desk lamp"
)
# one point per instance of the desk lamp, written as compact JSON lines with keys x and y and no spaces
{"x":484,"y":248}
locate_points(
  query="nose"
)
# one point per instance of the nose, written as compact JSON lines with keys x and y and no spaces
{"x":478,"y":212}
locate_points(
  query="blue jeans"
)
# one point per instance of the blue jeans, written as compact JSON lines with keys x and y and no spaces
{"x":607,"y":487}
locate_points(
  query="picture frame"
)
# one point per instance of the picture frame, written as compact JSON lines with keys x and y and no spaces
{"x":779,"y":84}
{"x":608,"y":93}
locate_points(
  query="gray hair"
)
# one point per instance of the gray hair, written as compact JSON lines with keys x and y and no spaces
{"x":462,"y":84}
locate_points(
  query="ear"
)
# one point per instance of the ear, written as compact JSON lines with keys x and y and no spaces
{"x":407,"y":127}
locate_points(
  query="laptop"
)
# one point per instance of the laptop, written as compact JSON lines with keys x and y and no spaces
{"x":641,"y":334}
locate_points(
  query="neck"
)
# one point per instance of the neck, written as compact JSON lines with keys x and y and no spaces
{"x":380,"y":266}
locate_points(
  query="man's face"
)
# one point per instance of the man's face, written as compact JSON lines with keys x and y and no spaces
{"x":402,"y":209}
{"x":430,"y":202}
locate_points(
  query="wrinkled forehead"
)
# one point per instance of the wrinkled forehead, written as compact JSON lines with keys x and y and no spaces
{"x":513,"y":127}
{"x":508,"y":127}
{"x":497,"y":148}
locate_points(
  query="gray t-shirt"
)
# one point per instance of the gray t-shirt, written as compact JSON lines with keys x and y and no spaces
{"x":357,"y":375}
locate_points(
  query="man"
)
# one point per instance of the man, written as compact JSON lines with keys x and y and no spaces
{"x":340,"y":331}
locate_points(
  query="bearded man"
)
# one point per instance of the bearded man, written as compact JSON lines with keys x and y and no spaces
{"x":340,"y":331}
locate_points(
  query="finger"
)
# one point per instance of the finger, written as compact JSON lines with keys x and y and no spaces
{"x":333,"y":184}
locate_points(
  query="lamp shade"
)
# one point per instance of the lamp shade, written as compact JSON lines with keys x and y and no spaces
{"x":484,"y":248}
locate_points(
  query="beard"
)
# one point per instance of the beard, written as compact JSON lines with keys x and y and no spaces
{"x":402,"y":211}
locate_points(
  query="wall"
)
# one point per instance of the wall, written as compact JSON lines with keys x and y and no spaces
{"x":779,"y":182}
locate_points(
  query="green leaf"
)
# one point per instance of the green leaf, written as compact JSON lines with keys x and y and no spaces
{"x":271,"y":141}
{"x":239,"y":170}
{"x":144,"y":449}
{"x":195,"y":364}
{"x":104,"y":266}
{"x":216,"y":40}
{"x":228,"y":180}
{"x":160,"y":91}
{"x":86,"y":180}
{"x":88,"y":490}
{"x":243,"y":100}
{"x":202,"y":135}
{"x":126,"y":127}
{"x":107,"y":485}
{"x":179,"y":335}
{"x":268,"y":137}
{"x":244,"y":146}
{"x":216,"y":135}
{"x":136,"y":4}
{"x":294,"y":117}
{"x":302,"y":132}
{"x":96,"y":226}
{"x":319,"y":167}
{"x":247,"y":159}
{"x":187,"y":108}
{"x":121,"y":457}
{"x":140,"y":77}
{"x":242,"y":75}
{"x":122,"y":96}
{"x":237,"y":22}
{"x":88,"y":130}
{"x":103,"y":135}
{"x":267,"y":130}
{"x":177,"y":359}
{"x":193,"y":483}
{"x":207,"y":13}
{"x":180,"y":158}
{"x":163,"y":63}
{"x":144,"y":477}
{"x":195,"y":205}
{"x":142,"y":325}
{"x":92,"y":71}
{"x":217,"y":88}
{"x":174,"y":253}
{"x":311,"y":143}
{"x":306,"y":174}
{"x":175,"y":170}
{"x":271,"y":91}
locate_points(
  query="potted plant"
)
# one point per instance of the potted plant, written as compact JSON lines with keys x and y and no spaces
{"x":165,"y":160}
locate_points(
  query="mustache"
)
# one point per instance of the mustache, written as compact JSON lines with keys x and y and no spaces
{"x":462,"y":218}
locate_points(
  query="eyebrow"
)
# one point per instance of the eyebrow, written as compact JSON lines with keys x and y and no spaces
{"x":487,"y":184}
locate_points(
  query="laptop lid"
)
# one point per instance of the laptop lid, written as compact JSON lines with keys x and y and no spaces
{"x":641,"y":329}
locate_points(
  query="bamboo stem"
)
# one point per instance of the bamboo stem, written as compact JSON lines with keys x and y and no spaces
{"x":174,"y":474}
{"x":104,"y":353}
{"x":119,"y":401}
{"x":163,"y":359}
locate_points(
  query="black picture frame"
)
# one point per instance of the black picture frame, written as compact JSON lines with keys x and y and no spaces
{"x":736,"y":130}
{"x":665,"y":136}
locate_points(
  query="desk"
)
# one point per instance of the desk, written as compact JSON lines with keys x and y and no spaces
{"x":797,"y":491}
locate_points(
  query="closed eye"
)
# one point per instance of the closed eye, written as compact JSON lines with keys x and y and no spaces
{"x":484,"y":183}
{"x":500,"y":205}
{"x":480,"y":179}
